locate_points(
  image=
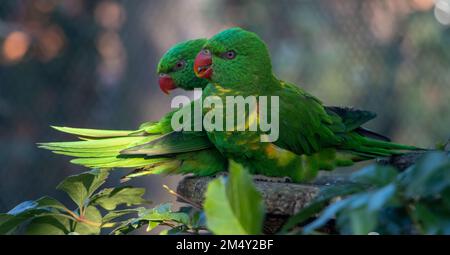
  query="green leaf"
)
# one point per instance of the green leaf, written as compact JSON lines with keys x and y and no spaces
{"x":153,"y":217}
{"x":112,"y":197}
{"x":430,"y":176}
{"x":108,"y":218}
{"x":8,"y":223}
{"x":93,"y":215}
{"x":375,"y":175}
{"x":49,"y":225}
{"x":219,"y":214}
{"x":152,"y":225}
{"x":26,"y":211}
{"x":326,"y":215}
{"x":360,"y":220}
{"x":174,"y":231}
{"x":302,"y":216}
{"x":358,"y":213}
{"x":128,"y":226}
{"x":197,"y":217}
{"x":416,"y":200}
{"x":235,"y":206}
{"x":60,"y":225}
{"x":164,"y":213}
{"x":433,"y":218}
{"x":50,"y":203}
{"x":81,"y":187}
{"x":23,"y":207}
{"x":325,"y":196}
{"x":364,"y":209}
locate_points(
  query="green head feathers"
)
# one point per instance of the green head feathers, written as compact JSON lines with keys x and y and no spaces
{"x":239,"y":58}
{"x":178,"y":62}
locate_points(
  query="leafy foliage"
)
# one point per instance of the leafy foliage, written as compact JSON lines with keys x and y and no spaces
{"x":388,"y":202}
{"x":48,"y":216}
{"x":234,"y":206}
{"x":110,"y":198}
{"x":187,"y":219}
{"x":376,"y":199}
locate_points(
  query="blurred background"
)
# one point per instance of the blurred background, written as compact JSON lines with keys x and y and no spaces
{"x":92,"y":64}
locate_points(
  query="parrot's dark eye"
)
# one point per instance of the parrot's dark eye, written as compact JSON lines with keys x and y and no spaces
{"x":230,"y":54}
{"x":179,"y":65}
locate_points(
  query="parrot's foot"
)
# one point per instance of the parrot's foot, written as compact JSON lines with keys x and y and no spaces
{"x":271,"y":179}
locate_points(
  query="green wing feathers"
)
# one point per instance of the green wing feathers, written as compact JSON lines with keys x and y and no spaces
{"x":318,"y":128}
{"x":95,"y":133}
{"x":171,"y":143}
{"x":102,"y":153}
{"x":351,"y":118}
{"x":147,"y":153}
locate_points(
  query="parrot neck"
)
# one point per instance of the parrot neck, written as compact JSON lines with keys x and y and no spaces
{"x":258,"y":85}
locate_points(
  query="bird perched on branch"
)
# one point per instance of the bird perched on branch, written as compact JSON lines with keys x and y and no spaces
{"x":154,"y":148}
{"x":237,"y":62}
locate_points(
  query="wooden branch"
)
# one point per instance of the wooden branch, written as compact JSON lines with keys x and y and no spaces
{"x":401,"y":162}
{"x":280,"y":198}
{"x":284,"y":199}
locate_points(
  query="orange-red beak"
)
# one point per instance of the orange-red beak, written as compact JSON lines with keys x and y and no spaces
{"x":203,"y":64}
{"x":166,"y":83}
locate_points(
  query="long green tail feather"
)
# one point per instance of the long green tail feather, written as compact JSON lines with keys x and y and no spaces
{"x":389,"y":145}
{"x":88,"y":154}
{"x":163,"y":168}
{"x":95,"y":133}
{"x":97,"y":149}
{"x":371,"y":148}
{"x":112,"y":162}
{"x":104,"y":152}
{"x":103,"y":145}
{"x":174,"y":142}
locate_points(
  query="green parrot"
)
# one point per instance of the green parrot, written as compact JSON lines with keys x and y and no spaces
{"x":311,"y":137}
{"x":176,"y":66}
{"x":165,"y":152}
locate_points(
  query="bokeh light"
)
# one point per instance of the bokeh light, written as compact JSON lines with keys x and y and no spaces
{"x":15,"y":46}
{"x":442,"y":11}
{"x":51,"y":42}
{"x":110,"y":15}
{"x":423,"y":5}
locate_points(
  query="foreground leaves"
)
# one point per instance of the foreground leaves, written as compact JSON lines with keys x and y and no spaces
{"x":48,"y":216}
{"x":113,"y":197}
{"x":186,"y":220}
{"x":416,"y":201}
{"x":234,"y":206}
{"x":81,"y":187}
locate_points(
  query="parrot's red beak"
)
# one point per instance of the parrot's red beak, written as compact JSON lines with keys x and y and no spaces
{"x":203,"y":64}
{"x":166,"y":83}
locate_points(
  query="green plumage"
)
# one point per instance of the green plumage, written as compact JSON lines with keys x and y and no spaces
{"x":311,"y":136}
{"x":185,"y":52}
{"x":153,"y":148}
